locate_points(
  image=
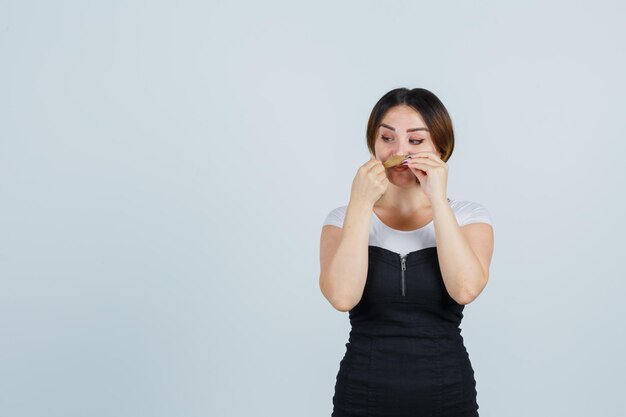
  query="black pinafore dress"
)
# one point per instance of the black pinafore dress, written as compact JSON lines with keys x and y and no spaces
{"x":405,"y":355}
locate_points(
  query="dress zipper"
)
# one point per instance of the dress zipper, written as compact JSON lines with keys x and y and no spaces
{"x":403,"y":264}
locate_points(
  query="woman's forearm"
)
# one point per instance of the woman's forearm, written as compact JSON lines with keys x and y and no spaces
{"x":461,"y":270}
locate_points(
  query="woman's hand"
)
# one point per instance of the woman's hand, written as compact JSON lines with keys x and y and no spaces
{"x":431,"y":172}
{"x":370,"y":182}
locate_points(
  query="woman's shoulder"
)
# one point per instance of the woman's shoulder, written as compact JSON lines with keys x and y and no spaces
{"x":469,"y":211}
{"x":463,"y":203}
{"x":335,"y":216}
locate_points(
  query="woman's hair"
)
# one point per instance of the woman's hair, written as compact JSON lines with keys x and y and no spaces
{"x":427,"y":105}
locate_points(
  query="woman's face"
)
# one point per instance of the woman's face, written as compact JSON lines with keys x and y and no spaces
{"x":402,"y":131}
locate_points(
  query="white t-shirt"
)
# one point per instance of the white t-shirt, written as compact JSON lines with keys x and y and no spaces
{"x":404,"y":242}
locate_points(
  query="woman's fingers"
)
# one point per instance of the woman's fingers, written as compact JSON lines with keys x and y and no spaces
{"x":420,"y":162}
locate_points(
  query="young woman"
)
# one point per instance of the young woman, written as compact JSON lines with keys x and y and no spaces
{"x":403,"y":259}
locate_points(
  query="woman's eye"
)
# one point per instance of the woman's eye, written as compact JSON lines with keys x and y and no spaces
{"x":414,"y":141}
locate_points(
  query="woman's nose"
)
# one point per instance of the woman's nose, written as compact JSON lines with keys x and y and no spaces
{"x":402,"y":150}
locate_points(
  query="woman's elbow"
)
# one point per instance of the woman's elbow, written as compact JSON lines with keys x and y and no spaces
{"x":339,"y":303}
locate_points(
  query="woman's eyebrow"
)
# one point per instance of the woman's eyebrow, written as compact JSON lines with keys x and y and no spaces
{"x":415,"y":129}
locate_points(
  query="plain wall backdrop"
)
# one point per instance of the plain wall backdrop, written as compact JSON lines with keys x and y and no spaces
{"x":165,"y":169}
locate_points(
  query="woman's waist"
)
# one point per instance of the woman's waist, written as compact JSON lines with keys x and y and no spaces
{"x":390,"y":328}
{"x":425,"y":342}
{"x":405,"y":318}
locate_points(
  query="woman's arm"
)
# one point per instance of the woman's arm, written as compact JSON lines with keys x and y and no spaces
{"x":344,"y":257}
{"x":464,"y":253}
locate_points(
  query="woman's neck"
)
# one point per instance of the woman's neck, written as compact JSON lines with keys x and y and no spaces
{"x":403,"y":200}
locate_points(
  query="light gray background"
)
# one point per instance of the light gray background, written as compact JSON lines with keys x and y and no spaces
{"x":165,"y":169}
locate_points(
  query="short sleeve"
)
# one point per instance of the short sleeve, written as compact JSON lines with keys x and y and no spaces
{"x":336,"y":216}
{"x":472,"y":212}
